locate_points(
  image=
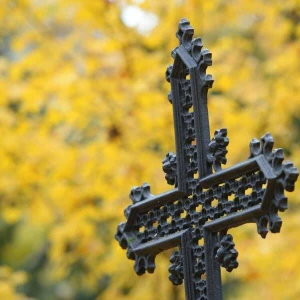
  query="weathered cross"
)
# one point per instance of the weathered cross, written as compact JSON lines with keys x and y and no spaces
{"x":197,"y":214}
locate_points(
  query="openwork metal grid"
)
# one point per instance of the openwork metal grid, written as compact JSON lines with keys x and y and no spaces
{"x":206,"y":201}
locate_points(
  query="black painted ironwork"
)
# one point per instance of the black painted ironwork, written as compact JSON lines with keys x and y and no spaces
{"x":197,"y":214}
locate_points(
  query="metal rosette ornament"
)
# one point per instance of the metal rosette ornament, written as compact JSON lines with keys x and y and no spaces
{"x":217,"y":149}
{"x":286,"y":176}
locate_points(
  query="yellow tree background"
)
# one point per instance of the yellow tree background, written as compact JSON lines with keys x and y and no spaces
{"x":84,"y":116}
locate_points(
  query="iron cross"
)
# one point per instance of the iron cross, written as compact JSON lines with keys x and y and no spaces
{"x":206,"y":201}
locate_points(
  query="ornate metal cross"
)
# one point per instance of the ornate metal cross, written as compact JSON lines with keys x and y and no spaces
{"x":197,"y":214}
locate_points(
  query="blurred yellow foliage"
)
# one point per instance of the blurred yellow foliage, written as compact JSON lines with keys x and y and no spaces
{"x":9,"y":280}
{"x":84,"y":116}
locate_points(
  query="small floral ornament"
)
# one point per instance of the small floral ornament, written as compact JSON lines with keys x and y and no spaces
{"x":120,"y":237}
{"x":168,"y":78}
{"x":144,"y":263}
{"x":176,"y":268}
{"x":140,"y":193}
{"x":170,"y":168}
{"x":264,"y":146}
{"x":226,"y":254}
{"x":168,"y":73}
{"x":217,"y":149}
{"x":286,"y":176}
